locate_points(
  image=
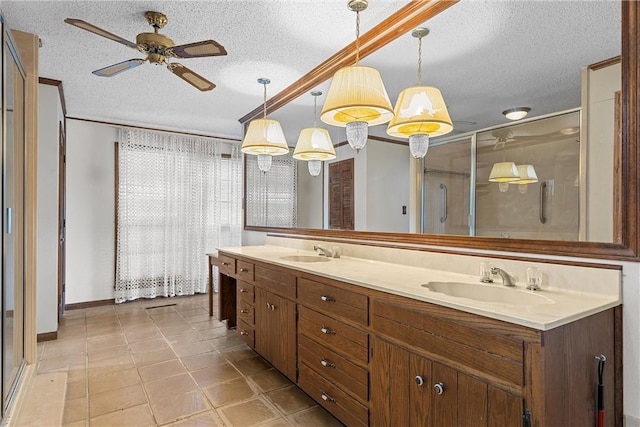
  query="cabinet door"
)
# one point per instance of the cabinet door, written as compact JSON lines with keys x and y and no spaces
{"x":445,"y":396}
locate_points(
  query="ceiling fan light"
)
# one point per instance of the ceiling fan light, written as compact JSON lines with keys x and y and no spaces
{"x":264,"y":162}
{"x":504,"y":172}
{"x":419,"y":145}
{"x":357,"y":134}
{"x":315,"y":167}
{"x":516,"y":113}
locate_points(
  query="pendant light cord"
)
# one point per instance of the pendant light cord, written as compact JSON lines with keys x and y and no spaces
{"x":357,"y":37}
{"x":420,"y":61}
{"x":265,"y":100}
{"x":315,"y":111}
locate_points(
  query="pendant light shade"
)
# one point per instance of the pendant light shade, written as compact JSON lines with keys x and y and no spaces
{"x":314,"y":144}
{"x":504,"y":172}
{"x":264,"y":137}
{"x":357,"y":94}
{"x":527,"y":175}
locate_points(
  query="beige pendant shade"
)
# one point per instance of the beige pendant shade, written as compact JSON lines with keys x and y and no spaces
{"x":314,"y":144}
{"x":527,"y":175}
{"x":357,"y":94}
{"x":504,"y":172}
{"x":420,"y":110}
{"x":264,"y":136}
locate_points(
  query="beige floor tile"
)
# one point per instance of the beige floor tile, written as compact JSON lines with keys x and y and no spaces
{"x":207,"y":419}
{"x":199,"y":317}
{"x":281,"y":422}
{"x":75,"y":410}
{"x":64,"y":322}
{"x":250,"y":413}
{"x":211,"y":323}
{"x":269,"y":380}
{"x":176,"y":329}
{"x":215,"y":333}
{"x":314,"y":417}
{"x":178,"y":384}
{"x":144,"y":346}
{"x":191,"y":348}
{"x":226,"y":341}
{"x":103,"y":331}
{"x":139,"y":416}
{"x":290,"y":400}
{"x":74,"y":314}
{"x":199,"y":361}
{"x":175,"y":407}
{"x":146,"y":334}
{"x":73,"y":331}
{"x":240,"y":352}
{"x":215,"y":374}
{"x":53,"y":349}
{"x":113,"y":400}
{"x":251,"y":365}
{"x":61,"y":363}
{"x":124,"y":361}
{"x":77,"y":373}
{"x":161,"y":370}
{"x":113,"y":380}
{"x":153,"y":357}
{"x":79,"y":423}
{"x":186,"y":337}
{"x":76,"y":389}
{"x":229,"y":392}
{"x":101,"y":343}
{"x":109,"y":353}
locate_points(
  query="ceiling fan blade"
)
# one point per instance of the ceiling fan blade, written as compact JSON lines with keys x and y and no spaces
{"x":99,"y":31}
{"x":190,"y":77}
{"x":118,"y":68}
{"x":197,"y":50}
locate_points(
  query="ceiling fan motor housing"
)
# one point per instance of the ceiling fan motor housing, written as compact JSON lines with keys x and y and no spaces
{"x":154,"y":45}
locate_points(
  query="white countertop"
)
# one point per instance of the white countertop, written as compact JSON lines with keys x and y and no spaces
{"x":558,"y":306}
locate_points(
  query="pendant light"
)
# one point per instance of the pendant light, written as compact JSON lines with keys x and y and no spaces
{"x":504,"y":173}
{"x":264,"y":137}
{"x":314,"y":144}
{"x":420,"y":111}
{"x":527,"y":175}
{"x":357,"y":98}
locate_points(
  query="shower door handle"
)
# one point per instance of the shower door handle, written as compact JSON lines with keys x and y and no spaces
{"x":9,"y":221}
{"x":443,"y":189}
{"x":543,"y":186}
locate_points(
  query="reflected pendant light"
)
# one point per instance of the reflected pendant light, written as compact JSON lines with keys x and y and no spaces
{"x":314,"y":144}
{"x":504,"y":173}
{"x":420,"y":111}
{"x":264,"y":137}
{"x":527,"y":175}
{"x":357,"y":98}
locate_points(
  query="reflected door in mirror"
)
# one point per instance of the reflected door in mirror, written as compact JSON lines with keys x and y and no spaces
{"x":341,"y":197}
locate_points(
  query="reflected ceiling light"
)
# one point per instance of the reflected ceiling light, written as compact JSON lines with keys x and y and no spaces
{"x":314,"y":144}
{"x":357,"y":98}
{"x":570,"y":131}
{"x":264,"y":137}
{"x":420,"y":111}
{"x":516,"y":113}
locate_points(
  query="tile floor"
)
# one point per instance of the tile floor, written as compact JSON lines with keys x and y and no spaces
{"x":166,"y":362}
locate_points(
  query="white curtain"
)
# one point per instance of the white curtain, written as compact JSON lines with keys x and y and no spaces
{"x":178,"y":198}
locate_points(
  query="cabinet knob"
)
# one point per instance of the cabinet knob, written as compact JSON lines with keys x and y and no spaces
{"x":326,"y":298}
{"x":273,"y":307}
{"x":328,"y":398}
{"x":243,"y":332}
{"x":327,"y":331}
{"x":419,"y":380}
{"x":244,"y":311}
{"x":439,"y":387}
{"x":244,"y":270}
{"x":243,"y":290}
{"x":327,"y":363}
{"x":226,"y":263}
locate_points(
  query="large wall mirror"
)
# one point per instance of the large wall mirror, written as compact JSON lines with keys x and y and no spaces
{"x":573,"y":66}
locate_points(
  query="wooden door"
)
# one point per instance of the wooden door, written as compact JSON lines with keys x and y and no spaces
{"x":341,"y":195}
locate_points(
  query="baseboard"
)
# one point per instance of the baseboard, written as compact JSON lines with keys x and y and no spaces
{"x":48,"y":336}
{"x":89,"y":304}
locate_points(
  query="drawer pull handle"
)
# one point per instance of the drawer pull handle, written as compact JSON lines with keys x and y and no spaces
{"x":244,"y":311}
{"x":326,"y":298}
{"x":327,"y":363}
{"x":327,"y":331}
{"x":243,"y":290}
{"x":243,"y":332}
{"x":439,"y":387}
{"x":226,"y":263}
{"x":328,"y":398}
{"x":273,"y":307}
{"x":244,"y":270}
{"x":419,"y":380}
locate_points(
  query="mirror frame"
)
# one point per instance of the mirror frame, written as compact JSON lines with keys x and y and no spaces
{"x":414,"y":14}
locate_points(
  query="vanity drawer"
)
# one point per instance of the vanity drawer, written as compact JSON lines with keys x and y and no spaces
{"x":227,"y":265}
{"x":246,"y":313}
{"x":340,"y":404}
{"x":337,"y":335}
{"x":276,"y":281}
{"x":244,"y":271}
{"x":332,"y":300}
{"x":336,"y":369}
{"x":245,"y":292}
{"x":246,"y":332}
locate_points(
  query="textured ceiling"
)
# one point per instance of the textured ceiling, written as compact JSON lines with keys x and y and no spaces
{"x":485,"y":56}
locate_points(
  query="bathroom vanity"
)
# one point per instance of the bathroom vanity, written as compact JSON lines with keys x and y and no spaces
{"x":375,"y":347}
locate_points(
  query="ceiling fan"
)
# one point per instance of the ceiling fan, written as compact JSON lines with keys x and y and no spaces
{"x":158,"y":48}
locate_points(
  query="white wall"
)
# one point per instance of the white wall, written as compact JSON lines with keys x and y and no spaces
{"x":309,"y":191}
{"x":49,"y":116}
{"x":90,"y":211}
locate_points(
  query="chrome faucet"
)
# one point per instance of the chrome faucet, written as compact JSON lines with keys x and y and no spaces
{"x":507,"y":279}
{"x":326,"y":252}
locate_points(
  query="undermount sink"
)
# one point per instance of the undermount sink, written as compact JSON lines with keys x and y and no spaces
{"x":304,"y":258}
{"x":488,"y":293}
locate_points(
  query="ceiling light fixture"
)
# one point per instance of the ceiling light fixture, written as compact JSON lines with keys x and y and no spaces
{"x":314,"y":144}
{"x":420,"y":111}
{"x":264,"y":137}
{"x":516,"y":113}
{"x":357,"y":98}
